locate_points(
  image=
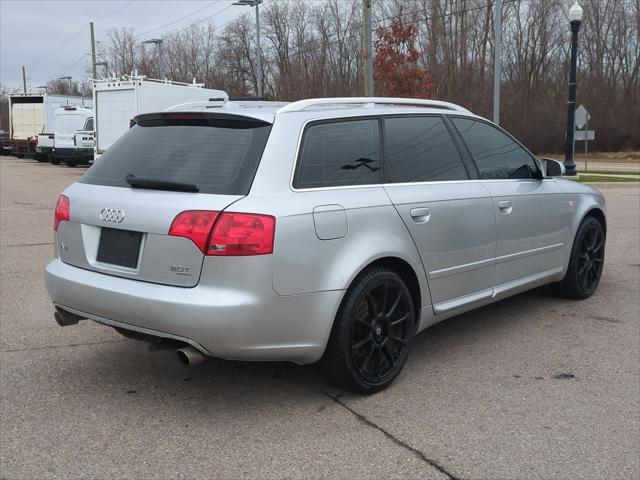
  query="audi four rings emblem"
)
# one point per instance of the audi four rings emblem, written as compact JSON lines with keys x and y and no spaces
{"x":112,"y":215}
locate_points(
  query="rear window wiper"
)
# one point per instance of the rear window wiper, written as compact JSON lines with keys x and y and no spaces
{"x":152,"y":184}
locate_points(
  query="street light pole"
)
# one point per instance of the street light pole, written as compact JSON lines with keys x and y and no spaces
{"x":575,"y":19}
{"x":256,"y":3}
{"x":158,"y":43}
{"x":68,"y":77}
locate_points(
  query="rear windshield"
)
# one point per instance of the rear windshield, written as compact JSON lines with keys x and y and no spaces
{"x":219,"y":156}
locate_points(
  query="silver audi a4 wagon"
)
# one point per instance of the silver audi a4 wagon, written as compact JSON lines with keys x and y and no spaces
{"x":329,"y":230}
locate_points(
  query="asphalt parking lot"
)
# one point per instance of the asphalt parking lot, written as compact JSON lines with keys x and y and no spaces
{"x":531,"y":387}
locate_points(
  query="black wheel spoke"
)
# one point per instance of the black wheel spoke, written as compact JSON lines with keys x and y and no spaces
{"x":584,"y":266}
{"x":385,"y":295}
{"x":373,"y":306}
{"x":362,"y":343}
{"x":364,"y":321}
{"x":399,"y":320}
{"x":599,"y":245}
{"x":389,"y":356}
{"x":395,"y":305}
{"x":364,"y":366}
{"x":399,"y":340}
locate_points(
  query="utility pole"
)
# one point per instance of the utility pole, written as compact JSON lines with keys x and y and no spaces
{"x":255,"y":3}
{"x":258,"y":50}
{"x":24,"y":81}
{"x":93,"y":52}
{"x":367,"y":42}
{"x":497,"y":61}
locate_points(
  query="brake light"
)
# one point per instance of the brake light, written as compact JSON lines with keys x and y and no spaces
{"x":195,"y":225}
{"x":226,"y":234}
{"x":63,"y":207}
{"x":242,"y":234}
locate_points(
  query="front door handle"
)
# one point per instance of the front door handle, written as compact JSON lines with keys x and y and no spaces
{"x":505,"y":206}
{"x":420,"y":215}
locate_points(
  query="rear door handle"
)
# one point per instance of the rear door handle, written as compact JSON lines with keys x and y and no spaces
{"x":420,"y":215}
{"x":505,"y":206}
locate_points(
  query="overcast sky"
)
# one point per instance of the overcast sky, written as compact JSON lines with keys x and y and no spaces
{"x":51,"y":37}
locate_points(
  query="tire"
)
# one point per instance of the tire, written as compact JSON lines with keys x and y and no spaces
{"x":55,"y":161}
{"x":586,"y":262}
{"x":372,"y":333}
{"x":71,"y":163}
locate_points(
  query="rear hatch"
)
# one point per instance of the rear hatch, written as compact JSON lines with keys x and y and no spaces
{"x":114,"y":110}
{"x":122,"y":209}
{"x":67,"y":123}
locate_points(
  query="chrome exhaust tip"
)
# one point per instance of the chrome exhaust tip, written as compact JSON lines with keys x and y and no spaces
{"x":190,"y":356}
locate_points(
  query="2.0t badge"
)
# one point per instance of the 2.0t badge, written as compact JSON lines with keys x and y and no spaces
{"x":111,"y":215}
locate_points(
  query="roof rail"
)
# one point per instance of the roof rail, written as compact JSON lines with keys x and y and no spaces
{"x":368,"y":102}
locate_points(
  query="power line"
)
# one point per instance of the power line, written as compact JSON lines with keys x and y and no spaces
{"x":182,"y":18}
{"x":122,"y":7}
{"x":55,"y":52}
{"x":76,"y":35}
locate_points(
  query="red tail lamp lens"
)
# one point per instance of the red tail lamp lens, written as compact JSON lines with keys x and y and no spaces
{"x":63,"y":207}
{"x":226,"y":234}
{"x":242,"y":234}
{"x":195,"y":225}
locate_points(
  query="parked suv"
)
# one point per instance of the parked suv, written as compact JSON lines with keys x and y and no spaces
{"x":325,"y":229}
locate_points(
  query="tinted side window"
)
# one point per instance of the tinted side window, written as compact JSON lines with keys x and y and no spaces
{"x":495,"y":153}
{"x":89,"y":124}
{"x":420,"y":149}
{"x":339,"y":154}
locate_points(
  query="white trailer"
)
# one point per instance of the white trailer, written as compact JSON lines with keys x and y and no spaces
{"x":118,"y":101}
{"x":31,"y":114}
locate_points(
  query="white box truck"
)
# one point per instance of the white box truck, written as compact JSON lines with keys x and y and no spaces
{"x":118,"y":101}
{"x":31,"y":114}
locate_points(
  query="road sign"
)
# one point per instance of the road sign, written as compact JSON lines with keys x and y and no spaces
{"x":582,"y":117}
{"x":585,"y":135}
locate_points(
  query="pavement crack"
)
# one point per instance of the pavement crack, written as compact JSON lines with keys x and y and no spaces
{"x":29,"y":244}
{"x":28,"y":349}
{"x":364,"y":420}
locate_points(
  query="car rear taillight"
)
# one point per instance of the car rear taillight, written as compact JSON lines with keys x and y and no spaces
{"x":226,"y":233}
{"x":195,"y":225}
{"x":63,"y":207}
{"x":242,"y":234}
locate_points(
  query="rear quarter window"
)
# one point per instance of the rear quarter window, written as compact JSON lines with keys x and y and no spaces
{"x":220,"y":156}
{"x":339,"y":153}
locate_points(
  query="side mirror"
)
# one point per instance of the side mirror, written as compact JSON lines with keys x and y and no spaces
{"x":553,"y":168}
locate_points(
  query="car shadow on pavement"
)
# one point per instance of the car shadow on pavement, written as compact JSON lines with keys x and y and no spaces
{"x":127,"y":367}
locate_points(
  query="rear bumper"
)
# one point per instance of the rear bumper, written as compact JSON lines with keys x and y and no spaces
{"x":245,"y":322}
{"x":72,"y":153}
{"x":44,"y":150}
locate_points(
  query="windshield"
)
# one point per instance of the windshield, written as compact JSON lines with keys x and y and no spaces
{"x":218,"y":156}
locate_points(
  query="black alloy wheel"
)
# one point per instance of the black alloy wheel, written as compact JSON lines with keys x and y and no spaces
{"x":372,"y":334}
{"x":586,"y":262}
{"x":591,"y":257}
